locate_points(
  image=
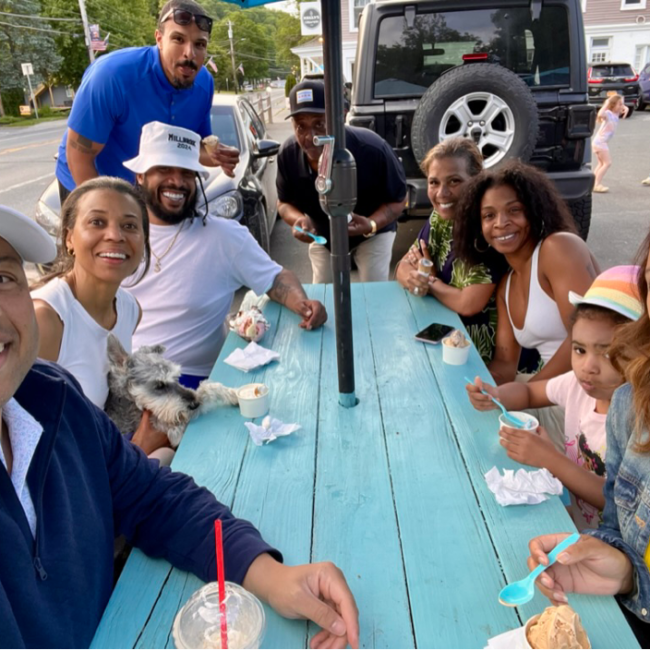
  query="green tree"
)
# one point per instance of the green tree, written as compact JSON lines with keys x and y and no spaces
{"x":23,"y":40}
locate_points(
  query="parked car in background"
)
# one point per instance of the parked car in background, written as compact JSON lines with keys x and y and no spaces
{"x":250,"y":197}
{"x":509,"y":74}
{"x":644,"y":87}
{"x":607,"y":79}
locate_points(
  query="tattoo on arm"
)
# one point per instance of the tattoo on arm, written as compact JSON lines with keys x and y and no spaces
{"x":283,"y":287}
{"x":82,"y":144}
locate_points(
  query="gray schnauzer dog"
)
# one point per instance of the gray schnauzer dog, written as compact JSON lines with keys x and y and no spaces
{"x":146,"y":380}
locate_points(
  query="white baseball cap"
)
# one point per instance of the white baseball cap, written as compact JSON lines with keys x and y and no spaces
{"x":163,"y":145}
{"x":29,"y":240}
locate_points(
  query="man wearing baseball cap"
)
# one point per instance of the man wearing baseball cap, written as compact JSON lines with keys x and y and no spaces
{"x":70,"y":483}
{"x":199,"y":260}
{"x":381,"y":188}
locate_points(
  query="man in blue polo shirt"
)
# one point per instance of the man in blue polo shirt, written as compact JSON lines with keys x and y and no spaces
{"x":381,"y":188}
{"x":124,"y":90}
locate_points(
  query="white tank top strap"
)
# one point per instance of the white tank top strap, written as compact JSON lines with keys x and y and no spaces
{"x":83,"y":346}
{"x":543,"y":328}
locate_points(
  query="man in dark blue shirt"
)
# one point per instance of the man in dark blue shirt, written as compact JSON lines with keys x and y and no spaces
{"x":124,"y":90}
{"x":70,"y":483}
{"x":381,"y":188}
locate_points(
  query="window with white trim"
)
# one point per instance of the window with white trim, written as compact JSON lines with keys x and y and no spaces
{"x":356,"y":7}
{"x":584,"y":5}
{"x":600,"y":49}
{"x":631,"y":5}
{"x":641,"y":57}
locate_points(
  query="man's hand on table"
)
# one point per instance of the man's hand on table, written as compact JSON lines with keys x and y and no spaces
{"x":590,"y":566}
{"x":313,"y":314}
{"x":317,"y":592}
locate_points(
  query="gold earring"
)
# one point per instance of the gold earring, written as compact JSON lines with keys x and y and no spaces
{"x":71,"y":252}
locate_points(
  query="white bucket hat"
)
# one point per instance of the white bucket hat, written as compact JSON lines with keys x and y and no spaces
{"x":163,"y":145}
{"x":29,"y":240}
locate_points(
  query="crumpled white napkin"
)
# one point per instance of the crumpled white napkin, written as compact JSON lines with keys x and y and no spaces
{"x":270,"y":430}
{"x":514,"y":639}
{"x":522,"y":486}
{"x":251,"y":357}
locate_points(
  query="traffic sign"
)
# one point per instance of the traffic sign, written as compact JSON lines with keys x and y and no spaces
{"x":27,"y":69}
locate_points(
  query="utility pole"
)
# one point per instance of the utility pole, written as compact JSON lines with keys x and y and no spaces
{"x":84,"y":20}
{"x":232,"y":56}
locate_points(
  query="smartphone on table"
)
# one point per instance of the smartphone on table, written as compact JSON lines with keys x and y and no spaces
{"x":434,"y":333}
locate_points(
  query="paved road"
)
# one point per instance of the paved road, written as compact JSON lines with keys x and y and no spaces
{"x":620,"y":219}
{"x":27,"y":162}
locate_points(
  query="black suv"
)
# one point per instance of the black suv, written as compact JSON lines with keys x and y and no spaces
{"x":607,"y":79}
{"x":510,"y":74}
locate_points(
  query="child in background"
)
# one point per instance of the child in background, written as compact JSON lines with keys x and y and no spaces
{"x":612,"y":109}
{"x":585,"y":393}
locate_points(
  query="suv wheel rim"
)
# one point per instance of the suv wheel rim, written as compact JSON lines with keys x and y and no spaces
{"x":486,"y":119}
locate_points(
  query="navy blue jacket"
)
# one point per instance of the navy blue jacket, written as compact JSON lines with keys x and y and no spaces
{"x":89,"y":485}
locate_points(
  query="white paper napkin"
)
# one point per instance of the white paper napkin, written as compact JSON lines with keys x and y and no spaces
{"x":270,"y":430}
{"x":514,"y":639}
{"x":522,"y":486}
{"x":251,"y":357}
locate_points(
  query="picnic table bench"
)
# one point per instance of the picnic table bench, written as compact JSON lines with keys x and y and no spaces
{"x":392,"y":491}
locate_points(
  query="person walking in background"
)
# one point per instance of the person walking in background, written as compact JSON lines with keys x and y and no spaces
{"x":381,"y":189}
{"x":611,"y":111}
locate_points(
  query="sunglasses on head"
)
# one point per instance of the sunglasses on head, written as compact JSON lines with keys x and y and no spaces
{"x":184,"y":17}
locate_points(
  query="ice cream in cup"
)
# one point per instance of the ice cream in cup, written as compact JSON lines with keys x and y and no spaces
{"x":455,"y":348}
{"x":198,"y":623}
{"x":555,"y":627}
{"x":253,"y":400}
{"x":530,"y":421}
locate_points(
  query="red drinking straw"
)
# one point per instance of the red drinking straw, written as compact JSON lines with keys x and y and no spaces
{"x":222,"y":585}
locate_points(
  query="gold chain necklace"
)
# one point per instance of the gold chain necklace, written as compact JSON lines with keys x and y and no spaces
{"x":157,"y":266}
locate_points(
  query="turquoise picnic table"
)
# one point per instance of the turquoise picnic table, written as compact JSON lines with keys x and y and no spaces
{"x":392,"y":491}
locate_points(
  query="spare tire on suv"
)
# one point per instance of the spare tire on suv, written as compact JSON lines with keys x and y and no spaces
{"x":484,"y":102}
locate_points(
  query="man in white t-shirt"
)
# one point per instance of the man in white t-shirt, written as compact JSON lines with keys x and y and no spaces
{"x":198,"y":262}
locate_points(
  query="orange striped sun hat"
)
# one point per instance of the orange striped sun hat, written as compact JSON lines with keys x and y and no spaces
{"x":614,"y":289}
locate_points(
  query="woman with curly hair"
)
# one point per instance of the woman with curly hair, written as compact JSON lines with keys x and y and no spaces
{"x":615,"y":559}
{"x":466,"y":289}
{"x":517,"y":212}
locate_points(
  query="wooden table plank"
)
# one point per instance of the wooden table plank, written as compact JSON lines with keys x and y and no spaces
{"x":355,"y":524}
{"x":447,"y":548}
{"x":511,"y":527}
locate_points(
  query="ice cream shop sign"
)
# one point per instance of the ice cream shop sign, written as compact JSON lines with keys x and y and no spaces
{"x":310,"y":19}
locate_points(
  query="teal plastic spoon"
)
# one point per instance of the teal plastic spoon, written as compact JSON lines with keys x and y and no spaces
{"x":317,"y":238}
{"x":522,"y":591}
{"x":516,"y":421}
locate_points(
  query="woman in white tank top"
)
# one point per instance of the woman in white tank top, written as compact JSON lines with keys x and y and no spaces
{"x":517,"y":211}
{"x":104,"y":237}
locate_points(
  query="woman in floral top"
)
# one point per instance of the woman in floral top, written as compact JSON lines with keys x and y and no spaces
{"x":467,"y":290}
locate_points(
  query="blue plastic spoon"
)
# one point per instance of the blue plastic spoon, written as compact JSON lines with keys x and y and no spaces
{"x":317,"y":238}
{"x":522,"y":591}
{"x":516,"y":421}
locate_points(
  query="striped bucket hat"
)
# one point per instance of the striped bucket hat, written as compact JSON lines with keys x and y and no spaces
{"x":614,"y":289}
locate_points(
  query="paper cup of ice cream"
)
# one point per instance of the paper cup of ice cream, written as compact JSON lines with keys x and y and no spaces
{"x":253,"y":400}
{"x":455,"y":348}
{"x":530,"y":422}
{"x":555,"y":627}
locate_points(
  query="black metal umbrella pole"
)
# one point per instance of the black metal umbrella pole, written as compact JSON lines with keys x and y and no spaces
{"x":337,"y":185}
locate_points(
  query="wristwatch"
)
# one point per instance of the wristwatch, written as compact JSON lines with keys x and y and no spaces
{"x":373,"y":232}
